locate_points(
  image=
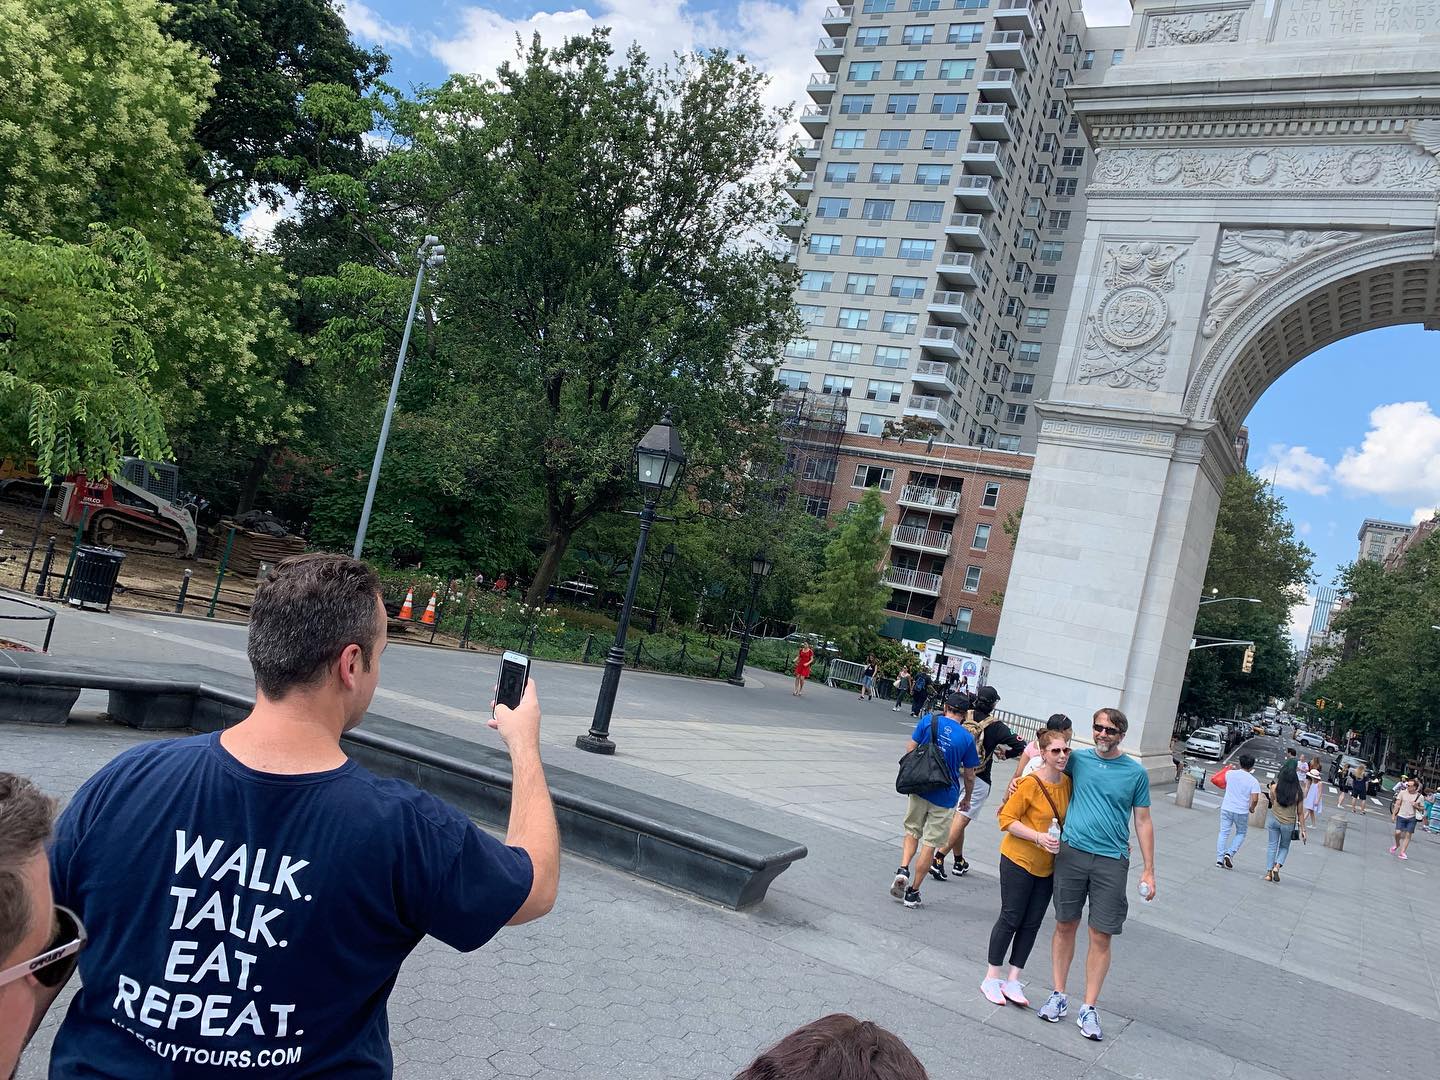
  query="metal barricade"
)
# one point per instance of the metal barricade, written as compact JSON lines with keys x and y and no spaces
{"x":845,"y":672}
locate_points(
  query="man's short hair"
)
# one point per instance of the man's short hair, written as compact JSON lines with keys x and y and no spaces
{"x":1115,"y":716}
{"x":305,"y":614}
{"x":26,"y":817}
{"x":1059,"y":722}
{"x":1247,"y":761}
{"x":836,"y":1047}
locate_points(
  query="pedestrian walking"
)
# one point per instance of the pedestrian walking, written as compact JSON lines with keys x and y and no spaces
{"x":1093,"y":863}
{"x":1314,"y":793}
{"x":1284,"y":822}
{"x":992,"y":739}
{"x":1403,"y":812}
{"x":1357,"y":787}
{"x":867,"y":679}
{"x":1242,"y":795}
{"x":902,"y":687}
{"x":928,"y":816}
{"x":920,"y":689}
{"x":1031,"y":819}
{"x":803,"y":659}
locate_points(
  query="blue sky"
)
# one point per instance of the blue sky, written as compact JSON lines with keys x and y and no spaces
{"x":1348,"y":433}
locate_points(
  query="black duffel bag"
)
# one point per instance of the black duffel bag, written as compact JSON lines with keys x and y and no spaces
{"x":923,"y":769}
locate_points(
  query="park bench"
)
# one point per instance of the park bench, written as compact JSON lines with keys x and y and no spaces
{"x":661,"y":841}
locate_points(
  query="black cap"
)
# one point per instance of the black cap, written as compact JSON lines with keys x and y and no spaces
{"x":959,"y":702}
{"x":987,"y":695}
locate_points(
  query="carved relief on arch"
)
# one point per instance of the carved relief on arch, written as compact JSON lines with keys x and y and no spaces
{"x":1127,"y":334}
{"x":1247,"y":258}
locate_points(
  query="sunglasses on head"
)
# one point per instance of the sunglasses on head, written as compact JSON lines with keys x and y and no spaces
{"x":1103,"y":730}
{"x":57,"y":962}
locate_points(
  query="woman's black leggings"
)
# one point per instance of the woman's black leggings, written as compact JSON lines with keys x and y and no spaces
{"x":1023,"y":900}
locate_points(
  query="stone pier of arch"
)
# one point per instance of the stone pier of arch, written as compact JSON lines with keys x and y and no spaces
{"x":1265,"y":183}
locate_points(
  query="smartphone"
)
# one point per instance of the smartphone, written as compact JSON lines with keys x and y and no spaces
{"x":514,"y":672}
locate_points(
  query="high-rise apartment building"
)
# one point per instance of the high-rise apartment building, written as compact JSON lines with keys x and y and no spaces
{"x":944,"y":183}
{"x":1379,"y":538}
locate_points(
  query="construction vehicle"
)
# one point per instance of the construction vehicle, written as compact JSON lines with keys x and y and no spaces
{"x":141,"y":509}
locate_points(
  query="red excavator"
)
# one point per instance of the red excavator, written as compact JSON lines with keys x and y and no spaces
{"x":142,"y":509}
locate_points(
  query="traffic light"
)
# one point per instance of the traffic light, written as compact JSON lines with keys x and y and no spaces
{"x":1249,"y":661}
{"x":1320,"y":704}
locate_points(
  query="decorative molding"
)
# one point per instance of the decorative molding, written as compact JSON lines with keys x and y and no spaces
{"x":1127,"y":335}
{"x":1248,"y":258}
{"x":1366,"y":169}
{"x":1110,"y":433}
{"x":1203,"y":27}
{"x":1274,"y":124}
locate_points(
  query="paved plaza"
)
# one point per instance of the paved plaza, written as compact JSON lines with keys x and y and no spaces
{"x":1333,"y":971}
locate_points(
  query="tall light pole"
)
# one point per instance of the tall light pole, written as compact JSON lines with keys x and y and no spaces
{"x":760,"y":567}
{"x":658,"y":461}
{"x":947,"y":627}
{"x":667,"y":560}
{"x":432,"y":256}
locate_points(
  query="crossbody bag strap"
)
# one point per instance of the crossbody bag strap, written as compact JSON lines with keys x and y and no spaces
{"x":1049,"y":798}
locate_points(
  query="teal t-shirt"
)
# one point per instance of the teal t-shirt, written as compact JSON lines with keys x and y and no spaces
{"x":1103,"y":792}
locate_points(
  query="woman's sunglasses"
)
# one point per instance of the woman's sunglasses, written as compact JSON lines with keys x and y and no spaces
{"x":1057,"y":749}
{"x":57,"y":962}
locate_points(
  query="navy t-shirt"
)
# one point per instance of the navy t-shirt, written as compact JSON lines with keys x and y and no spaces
{"x":958,"y":746}
{"x":248,"y":924}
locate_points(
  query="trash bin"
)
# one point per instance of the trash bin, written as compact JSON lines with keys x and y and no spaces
{"x":92,"y":582}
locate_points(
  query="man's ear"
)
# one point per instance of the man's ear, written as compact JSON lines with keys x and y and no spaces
{"x":350,"y":664}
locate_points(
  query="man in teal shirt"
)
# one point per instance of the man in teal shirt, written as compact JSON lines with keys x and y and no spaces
{"x":1094,"y":861}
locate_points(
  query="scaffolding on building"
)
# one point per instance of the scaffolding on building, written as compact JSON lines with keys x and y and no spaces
{"x":811,"y":427}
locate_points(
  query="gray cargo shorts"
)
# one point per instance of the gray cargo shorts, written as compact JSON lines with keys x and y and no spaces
{"x":1080,"y":875}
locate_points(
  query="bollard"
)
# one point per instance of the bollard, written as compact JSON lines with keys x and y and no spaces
{"x":184,"y":589}
{"x":45,"y":567}
{"x":589,"y":642}
{"x":1335,"y":834}
{"x":1185,"y":791}
{"x":465,"y":634}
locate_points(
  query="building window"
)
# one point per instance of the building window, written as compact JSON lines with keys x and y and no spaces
{"x":844,"y":352}
{"x":885,"y":173}
{"x":879,"y":390}
{"x":902,"y":103}
{"x":1007,"y":442}
{"x":957,"y":69}
{"x":972,"y":579}
{"x":848,"y":139}
{"x":1071,"y":46}
{"x":864,"y":70}
{"x":965,"y":33}
{"x":924,"y":5}
{"x":801,"y":348}
{"x":982,"y":538}
{"x":877,"y":7}
{"x":1044,"y":284}
{"x":907,"y":70}
{"x":941,"y":140}
{"x":820,"y":468}
{"x":817,"y":507}
{"x":868,"y":476}
{"x":909,"y":287}
{"x":948,"y":104}
{"x":923,"y":210}
{"x":878,"y":209}
{"x":962,"y":619}
{"x":917,"y":249}
{"x":1051,"y":251}
{"x":811,"y":314}
{"x":972,"y":5}
{"x":793,"y":380}
{"x":891,"y":356}
{"x":832,"y":207}
{"x":1015,"y":414}
{"x":857,"y":103}
{"x":1014,"y":307}
{"x":1037,"y":318}
{"x":1066,"y":186}
{"x":1117,"y":56}
{"x":991,"y":498}
{"x":1072,"y":157}
{"x":1022,"y":382}
{"x":842,"y":172}
{"x":1087,"y":60}
{"x":860,"y":284}
{"x":990,"y":404}
{"x":932,"y":175}
{"x":823,"y":244}
{"x":815,"y":281}
{"x":870,"y":247}
{"x":851,"y":318}
{"x":870,"y":36}
{"x":870,"y":424}
{"x":896,"y":139}
{"x":1073,"y":127}
{"x":837,"y":384}
{"x":1058,"y":219}
{"x":917,"y":35}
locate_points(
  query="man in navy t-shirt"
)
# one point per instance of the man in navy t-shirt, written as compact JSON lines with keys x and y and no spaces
{"x":250,"y":895}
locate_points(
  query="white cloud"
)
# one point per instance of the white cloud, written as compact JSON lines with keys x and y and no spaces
{"x":1107,"y":12}
{"x":258,"y":223}
{"x":1423,"y":513}
{"x":366,"y":23}
{"x":1303,"y":528}
{"x":1296,"y":469}
{"x":1399,"y":456}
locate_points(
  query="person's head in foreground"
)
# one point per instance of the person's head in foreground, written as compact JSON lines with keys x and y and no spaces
{"x":836,"y":1047}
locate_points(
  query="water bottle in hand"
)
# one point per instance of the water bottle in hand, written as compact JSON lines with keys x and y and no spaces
{"x":1054,"y":830}
{"x":1145,"y":891}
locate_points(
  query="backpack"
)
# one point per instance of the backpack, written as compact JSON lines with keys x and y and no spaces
{"x":976,"y":727}
{"x":924,"y":769}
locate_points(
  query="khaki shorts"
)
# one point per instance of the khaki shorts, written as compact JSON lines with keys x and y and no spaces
{"x":928,"y":822}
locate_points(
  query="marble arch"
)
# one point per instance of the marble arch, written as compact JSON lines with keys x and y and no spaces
{"x":1266,"y":181}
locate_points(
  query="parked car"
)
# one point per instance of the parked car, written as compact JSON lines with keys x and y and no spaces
{"x":1207,"y":742}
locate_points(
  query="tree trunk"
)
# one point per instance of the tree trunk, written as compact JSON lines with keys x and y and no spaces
{"x":251,"y":488}
{"x":555,"y":548}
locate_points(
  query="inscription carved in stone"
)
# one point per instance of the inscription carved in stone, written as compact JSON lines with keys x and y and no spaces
{"x":1309,"y":20}
{"x":1385,"y":167}
{"x":1128,"y":334}
{"x":1247,"y":259}
{"x":1193,"y":28}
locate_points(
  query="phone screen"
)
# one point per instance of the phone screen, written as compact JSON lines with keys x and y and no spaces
{"x":514,"y":670}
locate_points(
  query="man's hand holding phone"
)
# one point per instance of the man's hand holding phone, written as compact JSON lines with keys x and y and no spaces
{"x":519,"y":727}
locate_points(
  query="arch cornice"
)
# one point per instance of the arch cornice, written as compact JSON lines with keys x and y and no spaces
{"x":1272,"y":299}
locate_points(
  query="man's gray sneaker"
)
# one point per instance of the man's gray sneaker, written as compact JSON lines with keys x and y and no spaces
{"x":1089,"y":1023}
{"x":901,"y":882}
{"x":1055,"y":1009}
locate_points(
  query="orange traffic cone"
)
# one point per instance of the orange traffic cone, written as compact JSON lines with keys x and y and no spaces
{"x":407,"y":609}
{"x":429,"y":617}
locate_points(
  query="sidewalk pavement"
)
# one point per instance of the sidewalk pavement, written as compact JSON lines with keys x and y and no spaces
{"x":1222,"y":975}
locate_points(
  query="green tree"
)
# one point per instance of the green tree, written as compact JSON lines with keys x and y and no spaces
{"x":847,"y":603}
{"x":1254,"y":555}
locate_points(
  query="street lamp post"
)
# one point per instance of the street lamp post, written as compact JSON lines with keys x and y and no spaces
{"x":760,"y":567}
{"x":658,"y":461}
{"x":432,"y":256}
{"x":947,"y":627}
{"x":667,"y":560}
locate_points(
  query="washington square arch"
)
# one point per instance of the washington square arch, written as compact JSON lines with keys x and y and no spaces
{"x":1265,"y":183}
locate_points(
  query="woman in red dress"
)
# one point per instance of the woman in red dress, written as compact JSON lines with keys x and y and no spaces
{"x":803,"y":661}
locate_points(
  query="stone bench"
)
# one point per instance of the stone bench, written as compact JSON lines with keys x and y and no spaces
{"x":685,"y":849}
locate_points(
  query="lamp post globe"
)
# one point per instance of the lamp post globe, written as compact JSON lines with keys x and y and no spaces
{"x":760,"y":567}
{"x":657,"y":464}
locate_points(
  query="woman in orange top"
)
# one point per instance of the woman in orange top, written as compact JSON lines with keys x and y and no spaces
{"x":1030,"y":819}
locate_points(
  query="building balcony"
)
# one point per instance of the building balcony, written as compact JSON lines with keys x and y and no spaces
{"x":985,"y":157}
{"x":801,"y":186}
{"x":813,"y":118}
{"x":958,"y":267}
{"x":1008,"y":49}
{"x":942,"y":341}
{"x":806,"y":152}
{"x":934,"y":375}
{"x":913,"y":580}
{"x":969,"y":231}
{"x":917,"y":539}
{"x":975,"y":192}
{"x":836,"y":20}
{"x":924,"y":407}
{"x":829,"y":52}
{"x":1017,"y":15}
{"x":793,"y":227}
{"x":999,"y":84}
{"x":991,"y":120}
{"x":822,"y":87}
{"x":950,"y":307}
{"x":928,"y":498}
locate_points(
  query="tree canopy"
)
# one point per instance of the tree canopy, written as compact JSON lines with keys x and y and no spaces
{"x":847,"y":602}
